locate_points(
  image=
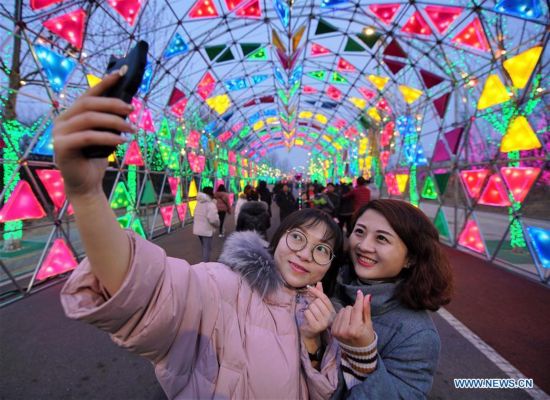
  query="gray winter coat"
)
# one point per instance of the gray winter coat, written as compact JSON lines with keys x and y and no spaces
{"x":408,"y":344}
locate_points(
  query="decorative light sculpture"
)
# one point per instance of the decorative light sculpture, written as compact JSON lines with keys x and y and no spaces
{"x":21,"y":205}
{"x":59,"y":260}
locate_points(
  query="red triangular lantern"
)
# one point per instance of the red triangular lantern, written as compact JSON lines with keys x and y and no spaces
{"x":495,"y":193}
{"x":206,"y":86}
{"x":182,"y":210}
{"x":473,"y":36}
{"x":430,"y":80}
{"x":417,"y":25}
{"x":203,"y":9}
{"x":442,"y":16}
{"x":53,"y":182}
{"x":147,"y":122}
{"x":473,"y":180}
{"x":232,"y":4}
{"x":133,"y":155}
{"x":471,"y":238}
{"x":60,"y":259}
{"x":394,"y":66}
{"x":519,"y":180}
{"x":345,"y":66}
{"x":128,"y":9}
{"x":440,"y":104}
{"x":317,"y":50}
{"x":367,"y":93}
{"x":395,"y":49}
{"x":385,"y":12}
{"x":21,"y":205}
{"x":38,"y":4}
{"x":252,"y":9}
{"x":179,"y":108}
{"x":69,"y":26}
{"x":167,"y":212}
{"x":174,"y":184}
{"x":176,"y":96}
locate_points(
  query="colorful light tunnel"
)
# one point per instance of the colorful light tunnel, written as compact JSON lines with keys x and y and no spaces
{"x":444,"y":104}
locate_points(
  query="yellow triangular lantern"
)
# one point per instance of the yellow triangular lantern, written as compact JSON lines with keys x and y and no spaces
{"x":363,"y":145}
{"x":191,"y":207}
{"x":111,"y":158}
{"x":378,"y":81}
{"x":92,"y":80}
{"x":258,"y":125}
{"x":493,"y":93}
{"x":410,"y":94}
{"x":519,"y":136}
{"x":402,"y":181}
{"x":373,"y":113}
{"x":521,"y":66}
{"x":219,"y":103}
{"x":192,"y":189}
{"x":321,"y":118}
{"x":359,"y":103}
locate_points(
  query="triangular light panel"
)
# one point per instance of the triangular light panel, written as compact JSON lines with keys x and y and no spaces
{"x":442,"y":16}
{"x":473,"y":36}
{"x":394,"y":49}
{"x":521,"y":67}
{"x":525,"y":9}
{"x":430,"y":80}
{"x":441,"y":103}
{"x":385,"y":12}
{"x":440,"y":223}
{"x":39,"y":4}
{"x":394,"y":66}
{"x":133,"y":155}
{"x":252,"y":9}
{"x":495,"y":193}
{"x":176,"y":47}
{"x":21,"y":205}
{"x":206,"y":86}
{"x":417,"y":25}
{"x":519,"y":180}
{"x":540,"y":239}
{"x":470,"y":237}
{"x":519,"y":136}
{"x":69,"y":26}
{"x":53,"y":182}
{"x":204,"y":9}
{"x":473,"y":181}
{"x":494,"y":92}
{"x":167,"y":213}
{"x":60,"y":259}
{"x":57,"y":68}
{"x":128,"y":9}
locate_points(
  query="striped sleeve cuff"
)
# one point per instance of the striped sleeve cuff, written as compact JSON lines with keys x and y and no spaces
{"x":358,"y":362}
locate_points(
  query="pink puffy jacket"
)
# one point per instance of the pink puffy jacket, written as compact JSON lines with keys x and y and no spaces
{"x":212,"y":330}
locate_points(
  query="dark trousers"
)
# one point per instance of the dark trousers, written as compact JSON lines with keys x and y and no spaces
{"x":345,"y":220}
{"x":221,"y":214}
{"x":206,"y":243}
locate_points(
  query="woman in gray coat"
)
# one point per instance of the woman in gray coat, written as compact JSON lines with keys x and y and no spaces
{"x":396,"y":274}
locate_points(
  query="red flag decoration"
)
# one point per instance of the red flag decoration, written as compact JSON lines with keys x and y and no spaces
{"x":53,"y":182}
{"x":472,"y":36}
{"x":133,"y":155}
{"x":69,"y":26}
{"x":519,"y":180}
{"x":385,"y":12}
{"x":60,"y":259}
{"x":495,"y":193}
{"x":128,"y":9}
{"x":21,"y":205}
{"x":203,"y":9}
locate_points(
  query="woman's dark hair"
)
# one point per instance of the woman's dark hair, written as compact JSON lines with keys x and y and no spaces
{"x":221,"y":188}
{"x":307,"y":218}
{"x":209,"y":190}
{"x":252,"y":195}
{"x":428,"y":282}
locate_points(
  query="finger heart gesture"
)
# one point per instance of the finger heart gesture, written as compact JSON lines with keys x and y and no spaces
{"x":319,"y":314}
{"x":353,"y":324}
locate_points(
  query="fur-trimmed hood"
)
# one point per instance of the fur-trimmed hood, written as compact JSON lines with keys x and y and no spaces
{"x":246,"y":253}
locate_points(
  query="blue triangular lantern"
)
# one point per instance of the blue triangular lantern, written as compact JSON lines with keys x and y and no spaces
{"x":296,"y":74}
{"x":332,"y":3}
{"x":258,"y":78}
{"x":520,"y":8}
{"x":236,"y":84}
{"x":420,"y":156}
{"x":283,"y":12}
{"x":57,"y":68}
{"x":177,"y":46}
{"x":540,"y":240}
{"x":44,"y":146}
{"x":146,"y":81}
{"x":279,"y":76}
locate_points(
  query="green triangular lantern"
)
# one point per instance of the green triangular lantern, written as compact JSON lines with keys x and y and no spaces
{"x":258,"y":55}
{"x":214,"y":51}
{"x":429,"y":192}
{"x":226,"y":56}
{"x":338,"y":78}
{"x":121,"y":197}
{"x":324,"y":27}
{"x":149,"y":195}
{"x":440,"y":223}
{"x":442,"y":180}
{"x":319,"y":75}
{"x":352,"y":45}
{"x":369,"y":40}
{"x":248,"y":48}
{"x":180,"y":136}
{"x":128,"y":221}
{"x":164,"y":131}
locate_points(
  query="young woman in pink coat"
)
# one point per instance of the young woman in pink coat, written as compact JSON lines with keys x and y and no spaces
{"x":245,"y":327}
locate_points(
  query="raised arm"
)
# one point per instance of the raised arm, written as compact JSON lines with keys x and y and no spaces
{"x":105,"y":243}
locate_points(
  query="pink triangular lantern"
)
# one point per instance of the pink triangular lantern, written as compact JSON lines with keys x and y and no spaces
{"x":53,"y":182}
{"x":231,"y":157}
{"x":440,"y":104}
{"x":473,"y":180}
{"x":135,"y":114}
{"x":193,"y":139}
{"x":128,"y":9}
{"x":519,"y":180}
{"x":176,"y":96}
{"x":495,"y":193}
{"x":387,"y":133}
{"x":470,"y":237}
{"x":60,"y":259}
{"x":147,"y":123}
{"x":182,"y":210}
{"x":133,"y":155}
{"x":206,"y":86}
{"x":38,"y":4}
{"x":391,"y":183}
{"x":179,"y":108}
{"x":384,"y":158}
{"x":394,"y":66}
{"x":367,"y":93}
{"x":231,"y":197}
{"x":430,"y":80}
{"x":345,"y":66}
{"x":453,"y":140}
{"x":394,"y":49}
{"x":232,"y":170}
{"x":21,"y":205}
{"x":174,"y":183}
{"x":69,"y":26}
{"x":167,"y":213}
{"x":218,"y":183}
{"x":196,"y":162}
{"x":317,"y":50}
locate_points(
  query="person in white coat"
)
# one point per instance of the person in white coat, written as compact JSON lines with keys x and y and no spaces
{"x":206,"y":220}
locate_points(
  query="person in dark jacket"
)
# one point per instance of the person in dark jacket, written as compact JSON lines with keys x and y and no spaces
{"x":286,"y":202}
{"x":360,"y":194}
{"x":397,"y":272}
{"x":334,"y":197}
{"x":265,"y":195}
{"x":254,"y":215}
{"x":345,"y":211}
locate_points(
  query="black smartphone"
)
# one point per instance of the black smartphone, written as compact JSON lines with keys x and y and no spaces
{"x":125,"y":89}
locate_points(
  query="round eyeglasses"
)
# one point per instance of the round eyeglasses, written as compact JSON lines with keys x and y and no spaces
{"x":322,"y":254}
